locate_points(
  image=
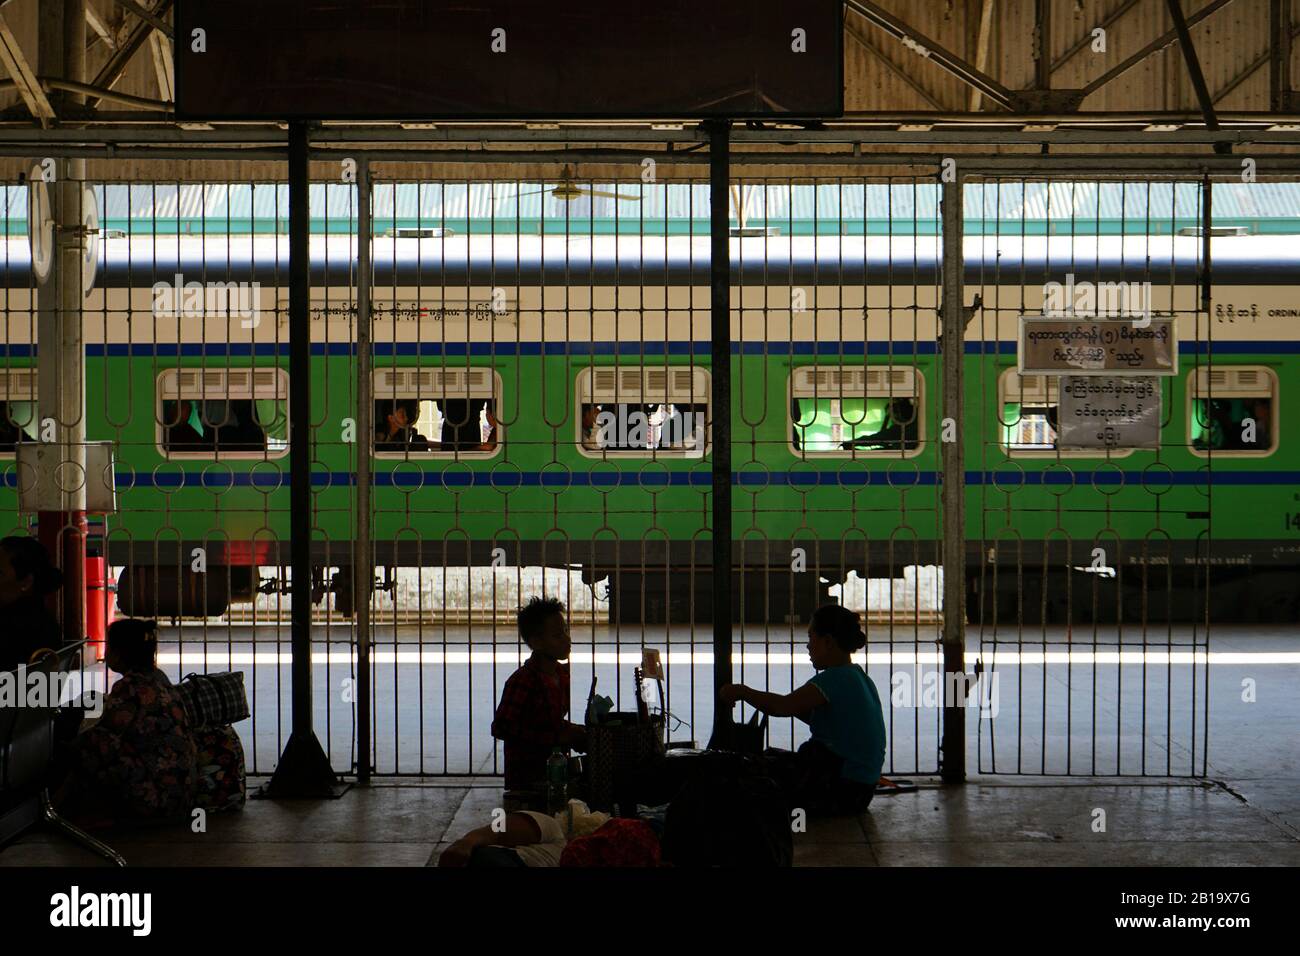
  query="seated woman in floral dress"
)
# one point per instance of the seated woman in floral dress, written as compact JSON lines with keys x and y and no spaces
{"x":138,"y":761}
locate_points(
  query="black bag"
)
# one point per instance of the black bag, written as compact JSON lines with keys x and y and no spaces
{"x":725,"y":813}
{"x":746,"y":738}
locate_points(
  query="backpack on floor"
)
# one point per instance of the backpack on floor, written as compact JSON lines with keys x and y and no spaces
{"x":728,"y":815}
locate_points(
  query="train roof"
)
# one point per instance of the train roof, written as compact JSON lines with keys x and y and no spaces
{"x":681,"y":260}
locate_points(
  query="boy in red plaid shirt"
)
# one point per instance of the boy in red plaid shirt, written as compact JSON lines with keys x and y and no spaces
{"x":532,"y":718}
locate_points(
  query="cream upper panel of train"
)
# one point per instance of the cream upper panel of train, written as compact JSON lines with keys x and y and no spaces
{"x":605,"y":288}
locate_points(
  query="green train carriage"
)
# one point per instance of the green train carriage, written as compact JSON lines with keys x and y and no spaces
{"x":524,"y":330}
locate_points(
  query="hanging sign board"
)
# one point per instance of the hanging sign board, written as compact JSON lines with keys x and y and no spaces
{"x":1109,"y":412}
{"x":476,"y":60}
{"x":1056,"y":345}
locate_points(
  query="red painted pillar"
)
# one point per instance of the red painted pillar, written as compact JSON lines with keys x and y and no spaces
{"x":64,"y":535}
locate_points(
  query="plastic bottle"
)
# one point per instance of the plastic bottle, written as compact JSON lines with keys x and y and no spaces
{"x":557,"y":781}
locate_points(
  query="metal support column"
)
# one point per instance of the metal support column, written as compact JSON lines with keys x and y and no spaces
{"x":61,"y":356}
{"x":363,"y":571}
{"x":720,"y":313}
{"x":952,"y":758}
{"x":1043,"y":44}
{"x":303,"y":770}
{"x":1194,"y":67}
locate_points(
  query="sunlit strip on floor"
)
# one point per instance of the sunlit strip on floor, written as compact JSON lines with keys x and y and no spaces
{"x":509,"y":657}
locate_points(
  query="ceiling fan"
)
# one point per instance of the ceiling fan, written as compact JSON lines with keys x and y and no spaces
{"x":568,"y":190}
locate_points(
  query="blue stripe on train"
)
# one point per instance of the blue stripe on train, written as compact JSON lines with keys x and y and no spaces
{"x":902,"y":477}
{"x":508,"y":349}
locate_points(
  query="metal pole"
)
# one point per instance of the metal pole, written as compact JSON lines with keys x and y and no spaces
{"x":952,"y":762}
{"x":300,"y":425}
{"x":720,"y":312}
{"x":1043,"y":44}
{"x":303,"y":770}
{"x":363,"y":560}
{"x":1207,"y":286}
{"x":61,"y":363}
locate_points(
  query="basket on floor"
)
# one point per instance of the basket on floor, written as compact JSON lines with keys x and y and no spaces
{"x":619,"y":749}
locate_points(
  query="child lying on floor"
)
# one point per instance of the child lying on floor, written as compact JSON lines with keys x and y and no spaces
{"x":526,"y":838}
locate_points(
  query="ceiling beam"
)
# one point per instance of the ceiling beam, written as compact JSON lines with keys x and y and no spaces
{"x":148,"y":17}
{"x":112,"y":70}
{"x":923,"y":46}
{"x":167,"y":133}
{"x":96,"y":24}
{"x":999,"y":165}
{"x":125,"y":99}
{"x":982,"y":48}
{"x":1042,"y":45}
{"x":161,"y":48}
{"x":28,"y":86}
{"x":1279,"y":54}
{"x":1193,"y":64}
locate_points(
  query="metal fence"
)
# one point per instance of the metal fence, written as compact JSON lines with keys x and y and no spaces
{"x":532,"y":399}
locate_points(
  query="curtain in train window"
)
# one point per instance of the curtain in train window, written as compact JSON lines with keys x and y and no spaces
{"x":272,"y":416}
{"x":1028,"y":427}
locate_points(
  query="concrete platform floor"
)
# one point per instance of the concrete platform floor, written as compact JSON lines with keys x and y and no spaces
{"x":990,"y":821}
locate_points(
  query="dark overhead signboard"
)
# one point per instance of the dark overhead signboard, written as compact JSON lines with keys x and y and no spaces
{"x":508,"y":59}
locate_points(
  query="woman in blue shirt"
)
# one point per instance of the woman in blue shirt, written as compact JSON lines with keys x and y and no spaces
{"x":836,"y":771}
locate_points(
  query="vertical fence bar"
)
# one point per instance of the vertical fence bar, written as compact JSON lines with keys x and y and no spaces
{"x":720,"y":314}
{"x":363,"y":573}
{"x":952,"y":765}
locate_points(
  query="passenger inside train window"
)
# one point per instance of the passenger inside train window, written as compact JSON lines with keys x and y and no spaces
{"x":898,"y":431}
{"x":468,"y":424}
{"x":625,"y":426}
{"x":395,"y":430}
{"x":642,"y":427}
{"x":855,"y":424}
{"x":591,"y":437}
{"x":1232,"y":424}
{"x":491,"y":437}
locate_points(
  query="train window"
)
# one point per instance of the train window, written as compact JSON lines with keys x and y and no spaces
{"x":443,"y":412}
{"x":1030,"y":405}
{"x":1232,"y":410}
{"x":17,"y":409}
{"x":634,"y":411}
{"x":859,"y":411}
{"x":223,"y":412}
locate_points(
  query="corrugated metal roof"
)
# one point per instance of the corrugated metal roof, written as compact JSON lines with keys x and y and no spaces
{"x":770,"y":203}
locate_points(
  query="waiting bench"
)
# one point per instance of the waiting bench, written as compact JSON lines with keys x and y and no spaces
{"x":26,"y":753}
